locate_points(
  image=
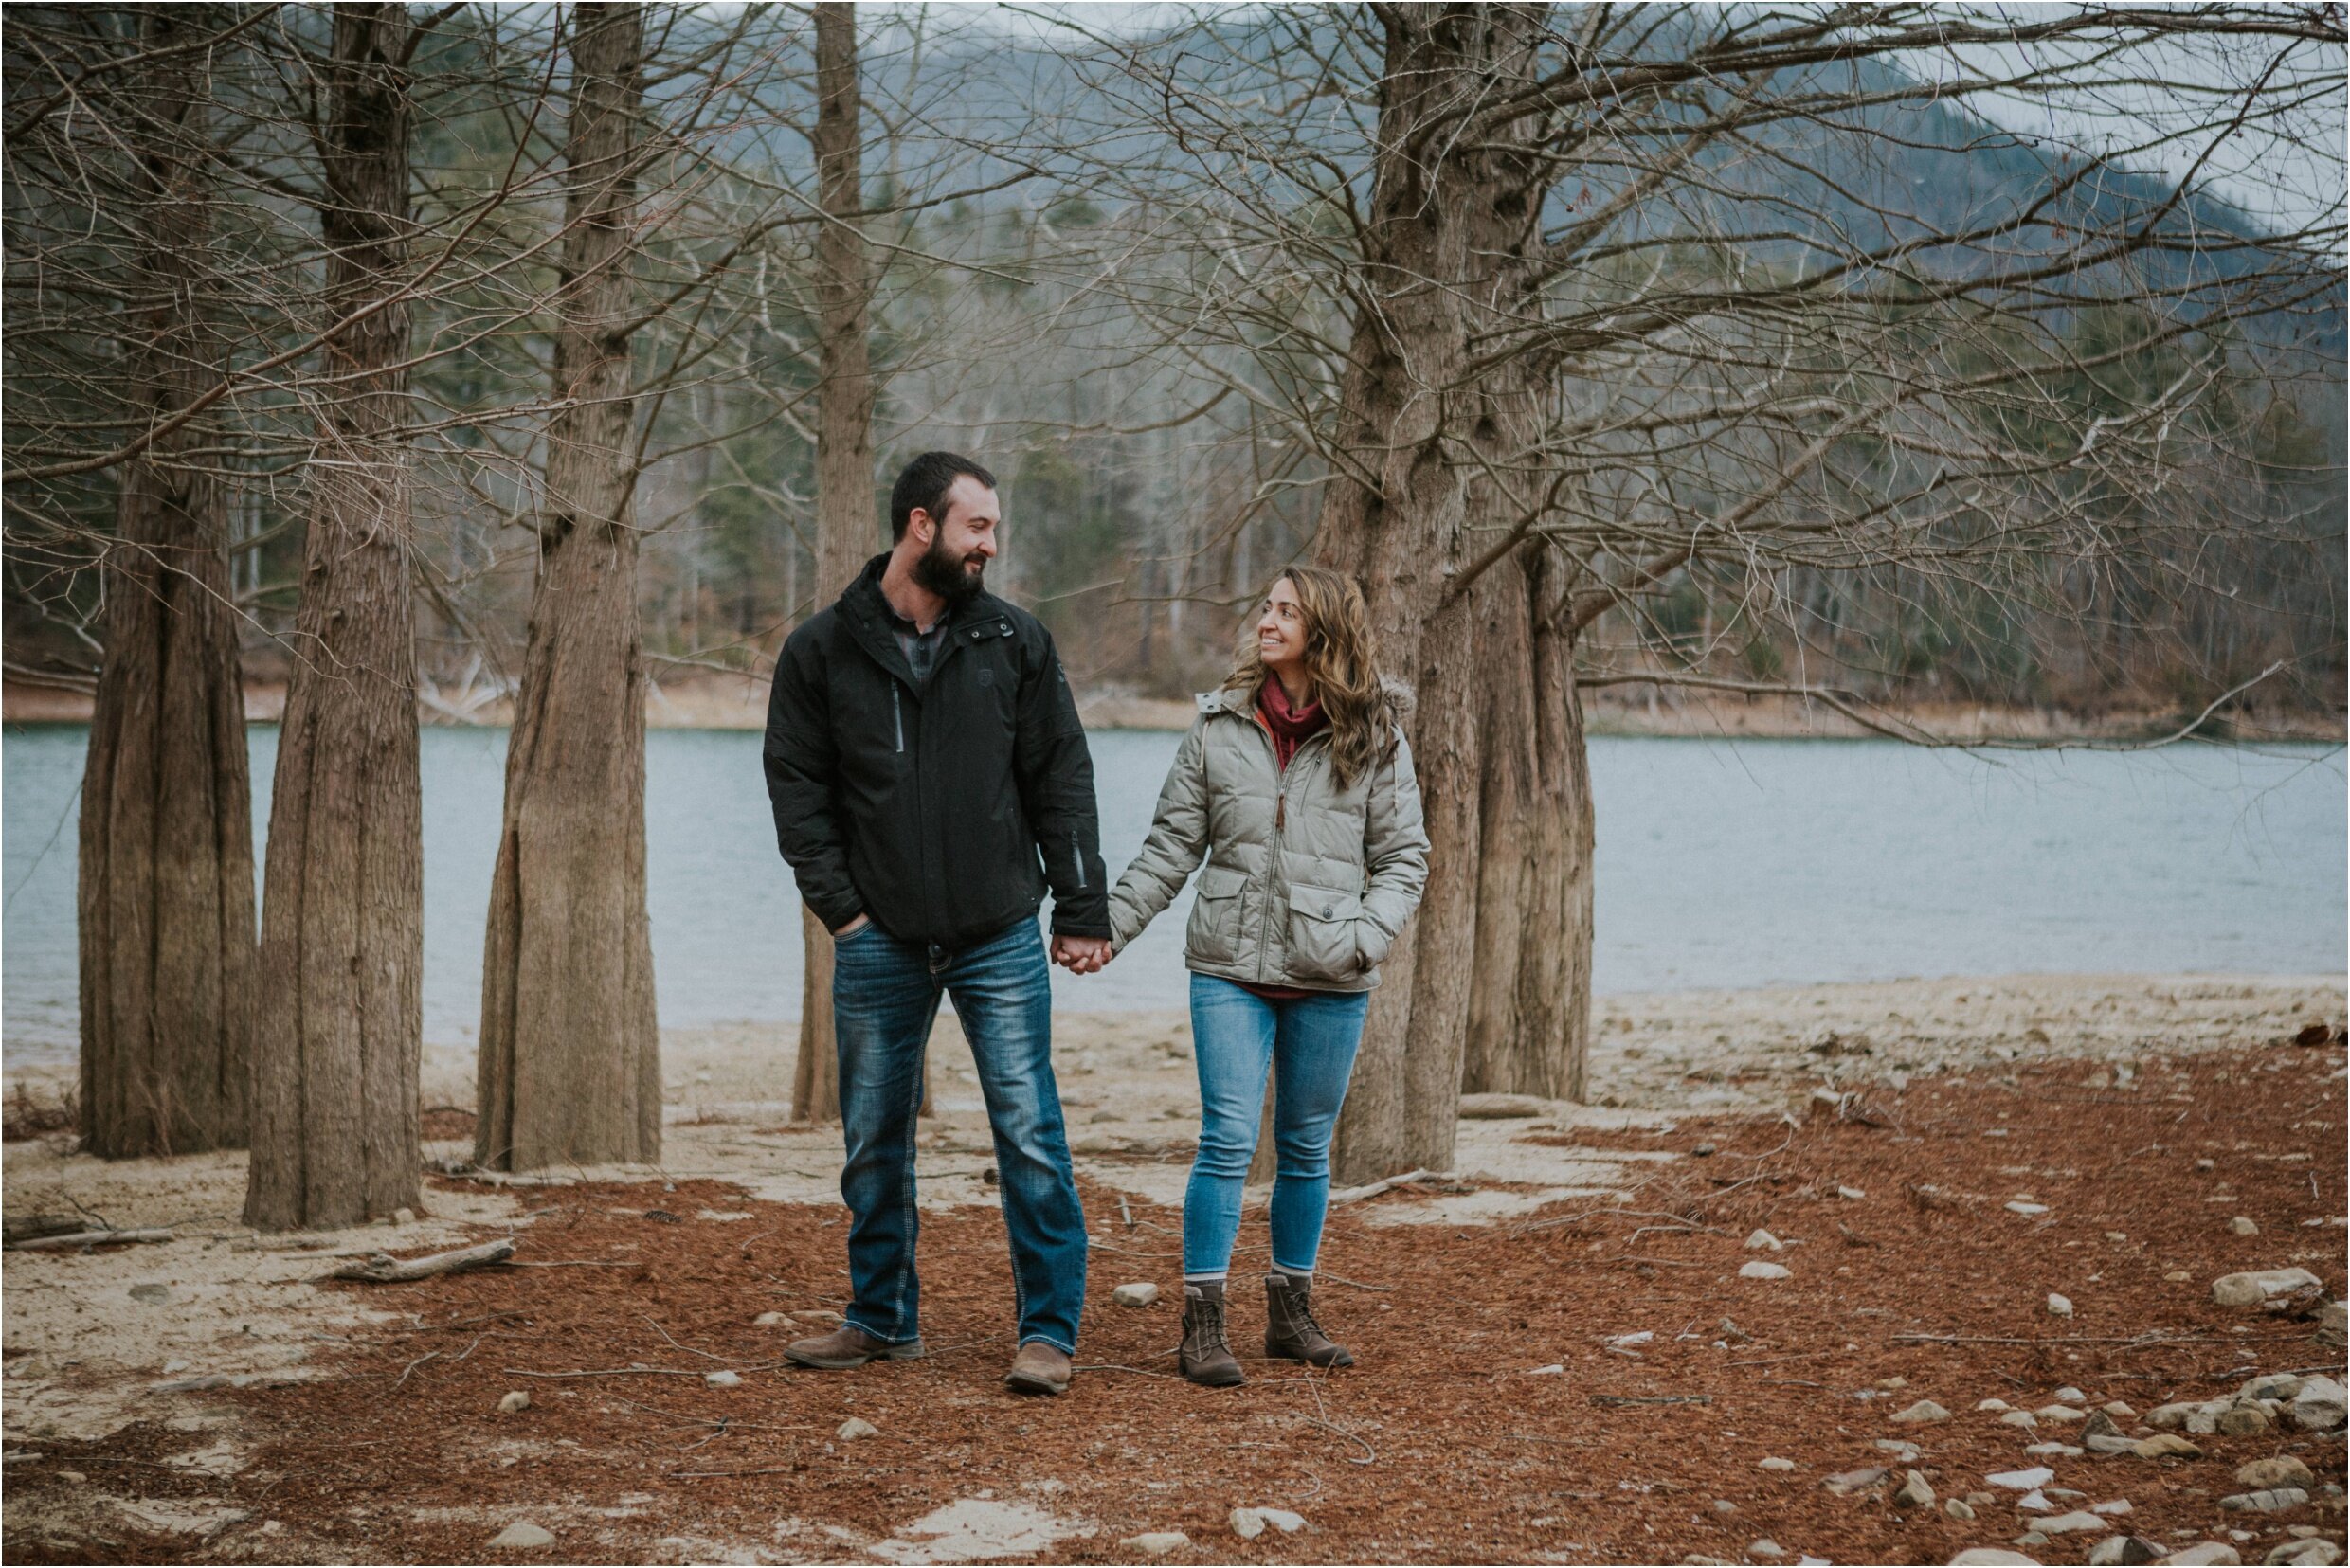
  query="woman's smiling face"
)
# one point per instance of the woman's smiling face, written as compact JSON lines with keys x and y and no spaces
{"x":1281,"y":628}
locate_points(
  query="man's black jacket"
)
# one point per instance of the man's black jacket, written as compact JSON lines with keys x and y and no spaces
{"x":927,"y":806}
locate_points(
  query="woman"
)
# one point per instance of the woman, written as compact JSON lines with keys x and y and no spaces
{"x":1296,"y":786}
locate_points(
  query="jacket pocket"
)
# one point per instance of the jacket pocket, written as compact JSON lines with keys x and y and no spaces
{"x":1215,"y":910}
{"x":1322,"y":934}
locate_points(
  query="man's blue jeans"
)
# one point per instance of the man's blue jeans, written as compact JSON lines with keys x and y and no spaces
{"x":884,"y":997}
{"x":1237,"y":1035}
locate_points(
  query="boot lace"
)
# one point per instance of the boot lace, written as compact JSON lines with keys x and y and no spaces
{"x":1301,"y":1315}
{"x":1207,"y":1326}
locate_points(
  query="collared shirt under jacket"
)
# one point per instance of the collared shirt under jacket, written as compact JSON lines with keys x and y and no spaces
{"x":941,"y":807}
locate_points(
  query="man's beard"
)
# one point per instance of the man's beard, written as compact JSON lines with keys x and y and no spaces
{"x":952,"y":578}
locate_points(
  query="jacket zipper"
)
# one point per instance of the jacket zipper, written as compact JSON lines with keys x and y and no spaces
{"x":1077,"y":858}
{"x":1280,"y":819}
{"x":897,"y":719}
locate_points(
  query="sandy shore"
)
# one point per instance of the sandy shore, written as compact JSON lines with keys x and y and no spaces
{"x":82,"y":1349}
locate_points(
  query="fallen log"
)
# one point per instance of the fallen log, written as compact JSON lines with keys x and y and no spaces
{"x":383,"y":1268}
{"x":33,"y":1227}
{"x":80,"y":1240}
{"x":1372,"y":1189}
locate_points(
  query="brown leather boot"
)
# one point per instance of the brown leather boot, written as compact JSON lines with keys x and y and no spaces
{"x":1290,"y":1333}
{"x":1038,"y":1369}
{"x":848,"y":1346}
{"x":1207,"y":1356}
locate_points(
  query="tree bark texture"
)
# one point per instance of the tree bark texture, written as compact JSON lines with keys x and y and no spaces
{"x":844,"y":515}
{"x":166,"y":894}
{"x":335,"y":1104}
{"x":1421,"y":490}
{"x":569,"y":1065}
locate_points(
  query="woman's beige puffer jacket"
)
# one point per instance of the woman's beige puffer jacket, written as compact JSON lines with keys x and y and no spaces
{"x":1305,"y":884}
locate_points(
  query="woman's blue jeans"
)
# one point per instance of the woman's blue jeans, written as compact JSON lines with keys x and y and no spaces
{"x":1310,"y":1043}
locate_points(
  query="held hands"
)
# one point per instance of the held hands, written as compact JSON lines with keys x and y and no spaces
{"x":1081,"y":955}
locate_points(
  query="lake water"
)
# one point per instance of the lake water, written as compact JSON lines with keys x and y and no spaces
{"x":1719,"y":863}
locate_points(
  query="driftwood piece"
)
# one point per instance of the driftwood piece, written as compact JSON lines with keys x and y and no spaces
{"x":383,"y":1268}
{"x":1372,"y":1189}
{"x":86,"y":1239}
{"x":32,"y":1227}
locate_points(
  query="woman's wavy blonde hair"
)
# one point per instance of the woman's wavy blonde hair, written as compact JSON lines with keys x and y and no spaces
{"x":1342,"y":659}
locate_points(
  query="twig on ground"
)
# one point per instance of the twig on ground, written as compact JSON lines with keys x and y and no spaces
{"x":1372,"y":1189}
{"x":383,"y":1268}
{"x":81,"y":1240}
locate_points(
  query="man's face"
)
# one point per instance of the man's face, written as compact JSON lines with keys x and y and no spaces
{"x":963,"y":541}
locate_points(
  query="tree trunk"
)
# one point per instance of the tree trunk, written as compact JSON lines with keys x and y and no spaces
{"x":1451,"y":224}
{"x":844,"y":525}
{"x":335,"y":1099}
{"x":569,"y":1068}
{"x":167,"y":830}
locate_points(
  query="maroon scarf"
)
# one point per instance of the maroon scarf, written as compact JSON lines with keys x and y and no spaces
{"x":1290,"y":727}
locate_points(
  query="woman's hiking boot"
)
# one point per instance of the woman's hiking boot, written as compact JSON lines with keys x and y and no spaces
{"x":1290,"y":1333}
{"x":1207,"y":1355}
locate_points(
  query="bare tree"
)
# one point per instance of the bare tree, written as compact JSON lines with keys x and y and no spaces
{"x":569,"y":1053}
{"x":166,"y":854}
{"x":1572,"y":304}
{"x":335,"y":1105}
{"x":843,"y":285}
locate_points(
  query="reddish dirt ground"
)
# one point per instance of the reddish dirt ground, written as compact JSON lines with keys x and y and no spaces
{"x":1443,"y":1445}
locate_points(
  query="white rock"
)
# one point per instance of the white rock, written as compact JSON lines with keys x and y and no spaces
{"x":2027,"y":1209}
{"x":522,"y":1534}
{"x":1991,"y":1404}
{"x":2272,"y":1385}
{"x":2312,"y":1552}
{"x":2206,"y":1554}
{"x":2072,"y":1523}
{"x":404,"y":1216}
{"x":1775,"y":1464}
{"x":2060,"y":1413}
{"x":2035,"y":1501}
{"x":2071,"y":1396}
{"x":2022,"y":1480}
{"x":723,"y":1378}
{"x":2320,"y":1405}
{"x":1140,"y":1294}
{"x":1157,"y":1543}
{"x":2020,"y":1418}
{"x":856,"y":1429}
{"x":1850,"y":1194}
{"x":1554,"y":1369}
{"x":1913,"y":1492}
{"x":2052,"y":1451}
{"x":514,"y":1403}
{"x":2253,"y":1286}
{"x":1924,"y":1410}
{"x":2059,"y":1306}
{"x":1764,"y":1270}
{"x":772,"y":1320}
{"x":1763,"y":1241}
{"x":1247,"y":1523}
{"x":1959,"y":1508}
{"x":1283,"y":1520}
{"x":1992,"y":1556}
{"x":2114,"y":1509}
{"x":2244,"y":1224}
{"x":1765,"y":1547}
{"x":2270,"y":1500}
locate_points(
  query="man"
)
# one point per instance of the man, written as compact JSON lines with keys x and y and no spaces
{"x":929,"y":778}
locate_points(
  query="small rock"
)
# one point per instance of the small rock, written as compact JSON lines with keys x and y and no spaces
{"x":1913,"y":1492}
{"x":1283,"y":1520}
{"x":2244,"y":1224}
{"x":2124,"y":1549}
{"x":74,"y":1476}
{"x":2052,"y":1451}
{"x":2313,"y":1552}
{"x":2171,"y":1417}
{"x":2166,"y":1445}
{"x":2075,"y":1523}
{"x":522,"y":1534}
{"x":1763,"y":1241}
{"x":2035,"y":1500}
{"x":514,"y":1403}
{"x":1992,"y":1556}
{"x":1724,"y":1506}
{"x":1703,"y":1151}
{"x":2255,"y":1286}
{"x":1849,"y":1481}
{"x":2284,"y":1471}
{"x":2114,"y":1509}
{"x":2026,"y":1210}
{"x":2020,"y":1418}
{"x":2206,"y":1554}
{"x":773,"y":1319}
{"x":1141,"y":1293}
{"x":1247,"y":1523}
{"x":151,"y":1294}
{"x":1764,"y":1270}
{"x":2022,"y":1480}
{"x":1924,"y":1410}
{"x":2272,"y":1385}
{"x":1991,"y":1404}
{"x":1774,"y":1464}
{"x":2119,"y":1410}
{"x":1157,"y":1543}
{"x":1554,"y":1369}
{"x":723,"y":1379}
{"x":2071,"y":1396}
{"x":2059,"y":1306}
{"x":856,"y":1429}
{"x":2334,"y":1323}
{"x":1906,"y":1454}
{"x":2206,"y":1165}
{"x":1960,"y":1509}
{"x":2244,"y":1421}
{"x":2060,"y":1413}
{"x":1765,"y":1547}
{"x":2320,"y":1406}
{"x":2271,"y":1500}
{"x":1850,"y":1194}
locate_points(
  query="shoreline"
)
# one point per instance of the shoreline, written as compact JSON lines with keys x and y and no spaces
{"x":706,"y":701}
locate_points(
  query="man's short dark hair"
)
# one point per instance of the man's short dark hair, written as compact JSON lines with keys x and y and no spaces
{"x":924,"y":483}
